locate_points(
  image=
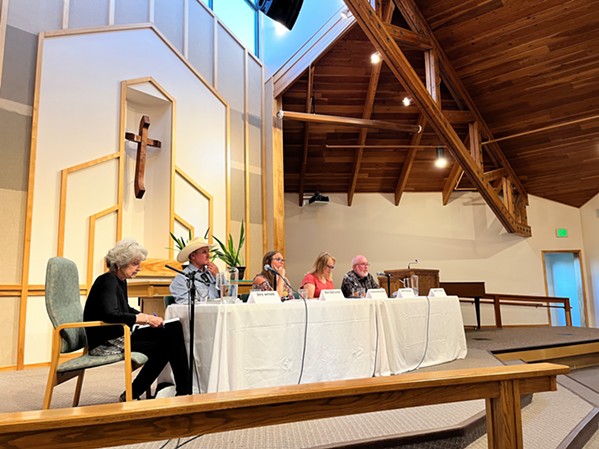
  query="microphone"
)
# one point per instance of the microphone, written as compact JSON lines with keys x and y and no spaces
{"x":267,"y":267}
{"x":380,"y":273}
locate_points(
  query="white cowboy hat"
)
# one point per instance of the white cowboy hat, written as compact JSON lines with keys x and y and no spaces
{"x":191,"y":246}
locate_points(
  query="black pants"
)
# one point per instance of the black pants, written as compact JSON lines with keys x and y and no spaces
{"x":161,"y":345}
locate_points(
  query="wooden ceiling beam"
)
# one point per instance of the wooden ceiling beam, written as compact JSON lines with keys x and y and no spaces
{"x":408,"y":39}
{"x":401,"y":68}
{"x":309,"y":103}
{"x":346,"y":121}
{"x":375,"y":75}
{"x":409,"y":162}
{"x":416,"y":20}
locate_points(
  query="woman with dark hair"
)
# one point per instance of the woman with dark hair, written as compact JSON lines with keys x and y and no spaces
{"x":108,"y":301}
{"x":268,"y":281}
{"x":321,"y":276}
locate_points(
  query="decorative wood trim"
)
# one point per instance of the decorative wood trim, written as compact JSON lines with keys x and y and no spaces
{"x":179,"y":171}
{"x":190,"y":228}
{"x":246,"y":158}
{"x":263,"y":163}
{"x":278,"y":192}
{"x":91,"y":238}
{"x":62,"y":209}
{"x":228,"y":173}
{"x":29,"y":208}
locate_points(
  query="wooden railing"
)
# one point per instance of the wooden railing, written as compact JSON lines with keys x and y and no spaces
{"x":159,"y":419}
{"x":550,"y":302}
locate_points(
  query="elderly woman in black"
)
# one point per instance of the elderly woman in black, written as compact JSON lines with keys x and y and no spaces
{"x":108,"y":302}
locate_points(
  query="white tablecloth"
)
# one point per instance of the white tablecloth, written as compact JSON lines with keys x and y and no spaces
{"x":240,"y":346}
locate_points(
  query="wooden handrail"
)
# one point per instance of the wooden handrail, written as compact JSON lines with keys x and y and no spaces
{"x":159,"y":419}
{"x":498,"y":298}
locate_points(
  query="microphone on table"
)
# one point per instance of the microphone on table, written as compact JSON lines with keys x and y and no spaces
{"x":267,"y":267}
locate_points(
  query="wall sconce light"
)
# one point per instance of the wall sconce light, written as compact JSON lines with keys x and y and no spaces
{"x":375,"y":58}
{"x":441,"y":160}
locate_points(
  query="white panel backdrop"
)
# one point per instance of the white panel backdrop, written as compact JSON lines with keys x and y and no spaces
{"x":78,"y":121}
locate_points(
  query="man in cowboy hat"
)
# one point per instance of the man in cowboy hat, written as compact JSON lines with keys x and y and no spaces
{"x":197,"y":253}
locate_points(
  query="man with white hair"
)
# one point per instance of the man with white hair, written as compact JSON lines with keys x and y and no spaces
{"x":358,"y":279}
{"x":197,"y":253}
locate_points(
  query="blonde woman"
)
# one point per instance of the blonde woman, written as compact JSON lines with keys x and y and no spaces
{"x":321,"y":276}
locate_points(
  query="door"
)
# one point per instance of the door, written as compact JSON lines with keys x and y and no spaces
{"x":563,"y":277}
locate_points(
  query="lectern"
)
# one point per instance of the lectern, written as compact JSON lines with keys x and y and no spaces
{"x":427,"y":279}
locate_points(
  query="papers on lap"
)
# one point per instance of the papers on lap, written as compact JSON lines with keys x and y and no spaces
{"x":143,"y":326}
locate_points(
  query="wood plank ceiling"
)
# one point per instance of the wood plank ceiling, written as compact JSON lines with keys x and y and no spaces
{"x":523,"y":73}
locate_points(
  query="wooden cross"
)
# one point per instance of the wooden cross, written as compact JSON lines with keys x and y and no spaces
{"x":140,"y":162}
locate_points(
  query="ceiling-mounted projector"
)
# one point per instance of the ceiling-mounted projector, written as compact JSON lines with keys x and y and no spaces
{"x":318,"y":198}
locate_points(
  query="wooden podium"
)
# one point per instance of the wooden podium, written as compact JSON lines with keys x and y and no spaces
{"x":427,"y":279}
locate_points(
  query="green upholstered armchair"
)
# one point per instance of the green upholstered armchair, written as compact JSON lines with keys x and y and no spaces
{"x":63,"y":303}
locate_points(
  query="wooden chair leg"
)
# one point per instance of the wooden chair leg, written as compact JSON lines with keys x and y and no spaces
{"x":77,"y":395}
{"x":52,"y":375}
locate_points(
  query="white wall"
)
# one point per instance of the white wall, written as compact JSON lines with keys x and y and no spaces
{"x":463,"y":240}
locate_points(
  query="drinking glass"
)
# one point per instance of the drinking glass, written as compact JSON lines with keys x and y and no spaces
{"x":303,"y":293}
{"x":358,"y":292}
{"x":414,"y":283}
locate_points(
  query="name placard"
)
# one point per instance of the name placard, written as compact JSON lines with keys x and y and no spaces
{"x":436,"y":292}
{"x":264,"y":298}
{"x":376,"y":293}
{"x":331,"y":295}
{"x":405,"y":293}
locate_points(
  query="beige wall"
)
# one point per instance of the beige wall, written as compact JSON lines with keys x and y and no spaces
{"x":463,"y":240}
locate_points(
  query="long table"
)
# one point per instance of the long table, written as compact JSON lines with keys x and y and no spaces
{"x":241,"y":346}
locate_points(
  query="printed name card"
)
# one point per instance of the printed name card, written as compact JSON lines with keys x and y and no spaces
{"x":260,"y":297}
{"x":436,"y":292}
{"x":405,"y":293}
{"x":331,"y":295}
{"x":376,"y":293}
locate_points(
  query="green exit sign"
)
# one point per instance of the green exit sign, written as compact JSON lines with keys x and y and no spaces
{"x":561,"y":232}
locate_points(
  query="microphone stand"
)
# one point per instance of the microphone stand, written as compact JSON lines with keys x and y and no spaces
{"x":191,"y":292}
{"x":388,"y":276}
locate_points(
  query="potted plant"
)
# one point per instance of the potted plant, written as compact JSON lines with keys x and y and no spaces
{"x":231,"y":254}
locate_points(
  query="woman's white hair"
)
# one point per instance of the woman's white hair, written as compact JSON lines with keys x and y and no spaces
{"x":125,"y":252}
